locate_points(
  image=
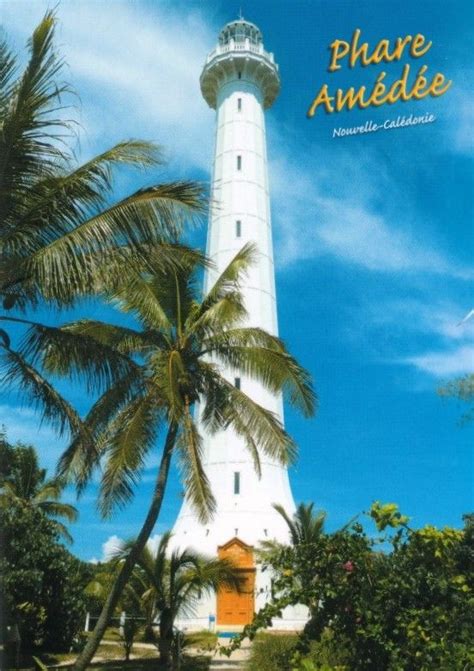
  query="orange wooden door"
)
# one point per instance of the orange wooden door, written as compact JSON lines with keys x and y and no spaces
{"x":237,"y":607}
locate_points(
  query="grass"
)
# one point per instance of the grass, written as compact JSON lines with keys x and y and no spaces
{"x":202,"y":640}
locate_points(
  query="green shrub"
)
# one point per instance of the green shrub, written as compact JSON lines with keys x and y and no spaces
{"x":272,"y":652}
{"x":329,"y":654}
{"x":278,"y":652}
{"x":40,"y":581}
{"x":410,"y":608}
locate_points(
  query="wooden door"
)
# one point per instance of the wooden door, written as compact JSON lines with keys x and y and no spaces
{"x":237,"y":607}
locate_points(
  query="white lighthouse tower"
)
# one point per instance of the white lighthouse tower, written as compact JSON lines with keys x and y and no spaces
{"x":240,"y":80}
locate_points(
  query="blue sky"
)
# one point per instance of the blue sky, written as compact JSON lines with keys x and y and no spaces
{"x":373,"y":233}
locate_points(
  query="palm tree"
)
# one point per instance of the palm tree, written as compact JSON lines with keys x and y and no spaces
{"x":172,"y":364}
{"x":306,"y":537}
{"x":172,"y":585}
{"x":305,"y":527}
{"x":26,"y":484}
{"x":61,"y":233}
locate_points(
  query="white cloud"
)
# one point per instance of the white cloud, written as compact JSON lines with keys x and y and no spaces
{"x":445,"y":363}
{"x":440,"y":318}
{"x":110,"y":547}
{"x":136,"y":70}
{"x":145,"y":82}
{"x":452,"y":344}
{"x":114,"y":543}
{"x":331,"y":213}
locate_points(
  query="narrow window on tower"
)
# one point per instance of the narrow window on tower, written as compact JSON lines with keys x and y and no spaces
{"x":239,"y":162}
{"x":239,"y":104}
{"x":237,"y":382}
{"x":240,"y":75}
{"x":238,"y":228}
{"x":236,"y":482}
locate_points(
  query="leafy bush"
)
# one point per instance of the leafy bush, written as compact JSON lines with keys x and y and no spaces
{"x":410,"y":609}
{"x":41,"y":581}
{"x":272,"y":651}
{"x":279,"y":652}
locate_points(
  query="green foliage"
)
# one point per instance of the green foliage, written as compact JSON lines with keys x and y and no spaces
{"x":411,"y":608}
{"x":387,"y":515}
{"x":42,"y":582}
{"x":168,"y":584}
{"x":62,"y":235}
{"x":102,"y":577}
{"x":23,"y":482}
{"x":169,"y":356}
{"x":58,"y":224}
{"x":270,"y":652}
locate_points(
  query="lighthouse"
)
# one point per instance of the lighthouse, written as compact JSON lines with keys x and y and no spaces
{"x":240,"y":80}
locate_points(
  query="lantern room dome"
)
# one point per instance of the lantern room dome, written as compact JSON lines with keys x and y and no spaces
{"x":239,"y":31}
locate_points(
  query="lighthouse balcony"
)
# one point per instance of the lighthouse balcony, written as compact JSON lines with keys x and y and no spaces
{"x":243,"y":63}
{"x":245,"y":45}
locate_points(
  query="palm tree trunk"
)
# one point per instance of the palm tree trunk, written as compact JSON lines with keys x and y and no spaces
{"x":166,"y":637}
{"x":93,"y":643}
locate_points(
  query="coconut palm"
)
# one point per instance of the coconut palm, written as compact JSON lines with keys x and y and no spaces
{"x":26,"y":484}
{"x":61,"y":233}
{"x":172,"y":364}
{"x":173,"y":583}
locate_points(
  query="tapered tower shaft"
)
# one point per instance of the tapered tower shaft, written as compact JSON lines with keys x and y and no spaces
{"x":240,"y":80}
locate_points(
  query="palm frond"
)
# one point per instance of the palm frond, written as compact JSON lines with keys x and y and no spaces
{"x":129,"y":438}
{"x":63,"y":531}
{"x":57,"y":509}
{"x":137,"y":296}
{"x":62,"y":351}
{"x":60,"y":201}
{"x":289,"y":521}
{"x":80,"y":459}
{"x":30,"y":134}
{"x":121,"y":339}
{"x":264,"y":357}
{"x":54,"y":409}
{"x":197,"y":486}
{"x":239,"y":410}
{"x":223,"y":313}
{"x":7,"y":71}
{"x":305,"y":527}
{"x":49,"y":490}
{"x":228,"y":280}
{"x":153,"y":215}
